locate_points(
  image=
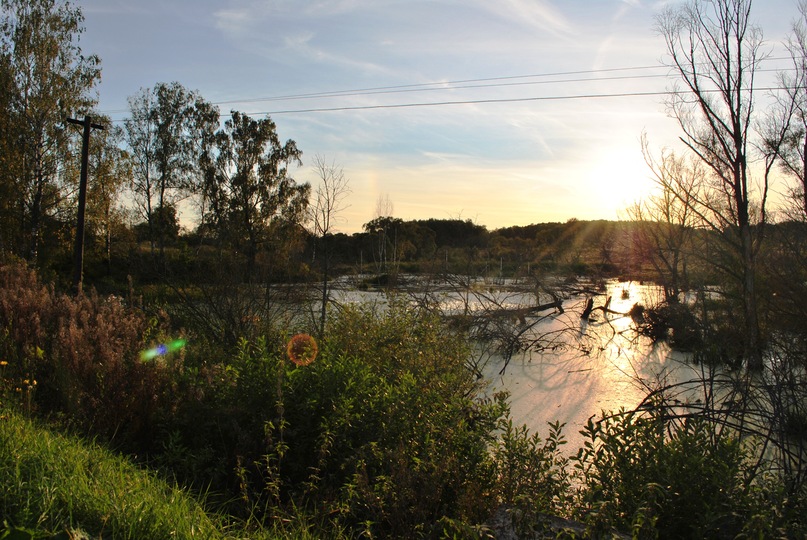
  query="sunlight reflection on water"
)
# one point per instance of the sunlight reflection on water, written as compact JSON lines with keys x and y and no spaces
{"x":610,"y":368}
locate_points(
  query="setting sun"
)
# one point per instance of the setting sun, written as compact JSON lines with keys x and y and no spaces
{"x":621,"y":178}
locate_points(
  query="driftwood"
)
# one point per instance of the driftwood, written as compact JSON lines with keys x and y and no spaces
{"x":522,"y":313}
{"x":516,"y":313}
{"x":589,"y":309}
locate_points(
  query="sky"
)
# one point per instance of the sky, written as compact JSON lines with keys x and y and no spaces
{"x":507,"y":113}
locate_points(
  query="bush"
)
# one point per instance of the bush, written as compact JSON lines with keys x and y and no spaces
{"x":383,"y":432}
{"x":673,"y":322}
{"x":659,"y":475}
{"x":531,"y":475}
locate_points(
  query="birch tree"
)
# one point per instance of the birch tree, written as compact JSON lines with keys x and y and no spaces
{"x":166,"y":132}
{"x":45,"y":79}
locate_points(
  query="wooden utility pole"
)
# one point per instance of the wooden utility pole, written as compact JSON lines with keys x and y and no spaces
{"x":78,"y":250}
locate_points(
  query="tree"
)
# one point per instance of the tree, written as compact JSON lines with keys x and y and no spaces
{"x":109,"y":172}
{"x":167,"y":135}
{"x":381,"y":227}
{"x":666,"y":219}
{"x":327,"y":203}
{"x":385,"y":229}
{"x":247,"y":185}
{"x":786,"y":258}
{"x":790,"y":115}
{"x":715,"y":51}
{"x":45,"y":78}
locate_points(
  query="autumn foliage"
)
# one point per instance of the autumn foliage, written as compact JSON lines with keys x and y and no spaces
{"x":83,"y":351}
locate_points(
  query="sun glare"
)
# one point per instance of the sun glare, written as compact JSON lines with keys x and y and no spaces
{"x":621,"y":179}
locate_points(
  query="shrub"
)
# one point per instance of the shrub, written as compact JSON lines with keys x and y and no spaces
{"x":84,"y":353}
{"x":532,"y":475}
{"x":382,"y":433}
{"x":657,"y":475}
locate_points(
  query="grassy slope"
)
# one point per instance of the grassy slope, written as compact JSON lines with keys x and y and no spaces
{"x":52,"y":483}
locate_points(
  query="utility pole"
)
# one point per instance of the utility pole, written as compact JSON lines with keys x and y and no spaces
{"x":78,"y":250}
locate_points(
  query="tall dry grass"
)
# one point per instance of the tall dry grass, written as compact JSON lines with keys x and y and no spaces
{"x":84,"y":353}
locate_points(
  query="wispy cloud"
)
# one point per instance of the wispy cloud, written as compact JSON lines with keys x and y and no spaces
{"x":541,"y":14}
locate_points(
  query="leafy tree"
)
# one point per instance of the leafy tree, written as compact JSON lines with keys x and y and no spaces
{"x":458,"y":233}
{"x":247,"y":186}
{"x":45,"y":78}
{"x":167,"y":133}
{"x":109,"y":171}
{"x":385,"y":230}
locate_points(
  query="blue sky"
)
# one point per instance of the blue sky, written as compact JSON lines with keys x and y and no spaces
{"x":516,"y":143}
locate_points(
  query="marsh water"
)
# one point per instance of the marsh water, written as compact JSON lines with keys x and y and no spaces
{"x":572,"y":369}
{"x":604,"y":366}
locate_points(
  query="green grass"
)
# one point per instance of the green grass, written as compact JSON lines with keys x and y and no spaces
{"x":51,"y":484}
{"x":60,"y":487}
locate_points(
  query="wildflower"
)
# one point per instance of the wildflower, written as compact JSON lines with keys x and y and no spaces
{"x":302,"y":349}
{"x":3,"y":363}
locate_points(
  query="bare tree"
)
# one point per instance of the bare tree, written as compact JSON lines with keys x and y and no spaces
{"x":666,"y":219}
{"x":789,"y":115}
{"x":715,"y":52}
{"x":328,"y":202}
{"x":379,"y":227}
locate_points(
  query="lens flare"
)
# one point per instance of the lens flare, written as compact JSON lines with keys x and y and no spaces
{"x":162,"y":349}
{"x":302,"y":349}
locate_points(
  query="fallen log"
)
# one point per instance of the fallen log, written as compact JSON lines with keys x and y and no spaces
{"x":589,"y":309}
{"x":522,"y":313}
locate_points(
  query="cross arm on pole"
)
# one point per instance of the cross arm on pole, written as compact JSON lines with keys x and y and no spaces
{"x":78,"y":250}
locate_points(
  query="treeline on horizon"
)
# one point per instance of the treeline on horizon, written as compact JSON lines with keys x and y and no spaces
{"x":389,"y":246}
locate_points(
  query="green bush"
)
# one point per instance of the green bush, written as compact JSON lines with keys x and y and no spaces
{"x":532,"y":474}
{"x":658,"y":475}
{"x":383,"y":432}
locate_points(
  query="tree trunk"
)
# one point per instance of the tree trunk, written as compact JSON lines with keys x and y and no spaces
{"x":36,"y":222}
{"x":753,"y":351}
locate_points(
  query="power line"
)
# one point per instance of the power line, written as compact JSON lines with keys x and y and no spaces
{"x":474,"y":86}
{"x":449,"y":85}
{"x":444,"y":88}
{"x":443,"y":85}
{"x":487,"y":101}
{"x":471,"y":83}
{"x":461,"y":84}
